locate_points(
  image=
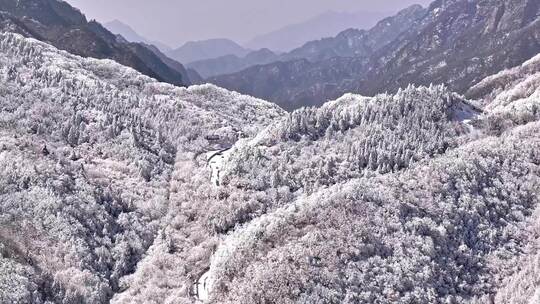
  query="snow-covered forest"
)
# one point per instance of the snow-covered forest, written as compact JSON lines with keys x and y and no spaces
{"x":107,"y":195}
{"x":88,"y":152}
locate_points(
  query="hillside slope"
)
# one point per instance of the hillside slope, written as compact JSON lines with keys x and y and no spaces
{"x":58,"y":23}
{"x":418,"y":196}
{"x":456,"y":42}
{"x":87,"y":151}
{"x":468,"y":214}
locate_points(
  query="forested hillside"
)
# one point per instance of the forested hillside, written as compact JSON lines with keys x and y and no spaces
{"x":87,"y":152}
{"x":58,"y":23}
{"x":415,"y":197}
{"x":448,"y":230}
{"x":107,"y":190}
{"x":350,"y":137}
{"x":460,"y":225}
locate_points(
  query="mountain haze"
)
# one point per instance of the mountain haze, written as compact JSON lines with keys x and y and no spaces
{"x":349,"y":43}
{"x":206,"y":49}
{"x":324,"y":25}
{"x":455,"y":42}
{"x":120,"y":28}
{"x":231,"y":63}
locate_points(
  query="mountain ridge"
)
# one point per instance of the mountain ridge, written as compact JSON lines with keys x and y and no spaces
{"x":231,"y":63}
{"x":59,"y":23}
{"x":206,"y":49}
{"x":440,"y":48}
{"x":350,"y":42}
{"x":324,"y":25}
{"x":118,"y":27}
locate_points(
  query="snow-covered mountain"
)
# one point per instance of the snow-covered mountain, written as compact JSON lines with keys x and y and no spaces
{"x":87,"y":152}
{"x":367,"y":199}
{"x":350,"y":137}
{"x":457,"y":223}
{"x":117,"y":188}
{"x":450,"y":229}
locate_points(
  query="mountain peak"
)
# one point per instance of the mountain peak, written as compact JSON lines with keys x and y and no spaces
{"x":327,"y":24}
{"x":193,"y":51}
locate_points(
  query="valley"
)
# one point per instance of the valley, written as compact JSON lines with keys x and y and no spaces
{"x":397,"y":164}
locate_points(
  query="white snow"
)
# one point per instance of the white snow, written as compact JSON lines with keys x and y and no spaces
{"x":215,"y":160}
{"x":202,"y":287}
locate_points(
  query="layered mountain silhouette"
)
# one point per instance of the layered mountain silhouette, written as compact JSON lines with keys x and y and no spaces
{"x":454,"y":42}
{"x":232,"y":63}
{"x":327,"y":24}
{"x":58,"y":23}
{"x":120,"y":28}
{"x":351,"y":42}
{"x":207,"y":49}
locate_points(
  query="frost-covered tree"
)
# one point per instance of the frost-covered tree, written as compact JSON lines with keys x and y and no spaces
{"x":87,"y":152}
{"x":106,"y":193}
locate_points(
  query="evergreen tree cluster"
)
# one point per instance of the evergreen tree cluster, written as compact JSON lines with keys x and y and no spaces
{"x":106,"y":193}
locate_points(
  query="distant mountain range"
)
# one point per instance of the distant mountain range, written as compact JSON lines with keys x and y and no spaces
{"x":120,"y":28}
{"x":306,"y":75}
{"x":327,"y":24}
{"x":357,"y":42}
{"x":65,"y":27}
{"x":455,"y":42}
{"x":207,"y":49}
{"x":232,"y":63}
{"x":349,"y":43}
{"x":216,"y":57}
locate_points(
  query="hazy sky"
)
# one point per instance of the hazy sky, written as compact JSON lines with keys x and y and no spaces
{"x":176,"y":21}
